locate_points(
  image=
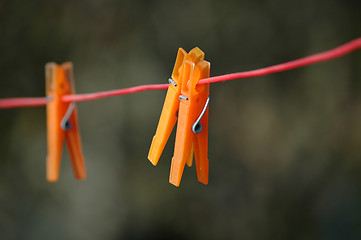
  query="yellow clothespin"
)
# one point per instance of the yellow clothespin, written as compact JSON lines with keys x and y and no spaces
{"x":62,"y":121}
{"x":189,"y":102}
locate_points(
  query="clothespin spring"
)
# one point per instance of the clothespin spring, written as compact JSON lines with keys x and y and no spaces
{"x":65,"y":124}
{"x":182,"y":97}
{"x":170,"y":81}
{"x":197,"y":126}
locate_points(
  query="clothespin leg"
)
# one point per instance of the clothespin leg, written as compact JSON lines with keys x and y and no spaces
{"x":72,"y":135}
{"x":54,"y":111}
{"x":201,"y":151}
{"x":55,"y":139}
{"x":166,"y":124}
{"x":73,"y":141}
{"x":182,"y":147}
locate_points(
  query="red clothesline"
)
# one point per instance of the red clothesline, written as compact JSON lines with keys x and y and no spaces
{"x":312,"y":59}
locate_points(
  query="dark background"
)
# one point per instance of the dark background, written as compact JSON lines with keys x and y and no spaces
{"x":284,"y":149}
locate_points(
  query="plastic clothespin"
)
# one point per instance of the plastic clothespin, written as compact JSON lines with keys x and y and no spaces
{"x":62,"y":121}
{"x":168,"y":117}
{"x":191,"y":102}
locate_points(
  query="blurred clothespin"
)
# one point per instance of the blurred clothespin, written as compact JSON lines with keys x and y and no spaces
{"x":188,"y":102}
{"x":62,"y":121}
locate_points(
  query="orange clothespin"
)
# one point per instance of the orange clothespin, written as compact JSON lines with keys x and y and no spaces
{"x":168,"y":117}
{"x":189,"y":102}
{"x":62,"y":121}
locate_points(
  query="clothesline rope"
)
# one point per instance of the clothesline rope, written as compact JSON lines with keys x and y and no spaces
{"x":312,"y":59}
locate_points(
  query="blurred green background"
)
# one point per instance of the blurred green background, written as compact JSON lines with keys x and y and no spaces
{"x":284,"y":149}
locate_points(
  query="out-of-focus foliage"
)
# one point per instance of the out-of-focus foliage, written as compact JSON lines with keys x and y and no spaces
{"x":284,"y":150}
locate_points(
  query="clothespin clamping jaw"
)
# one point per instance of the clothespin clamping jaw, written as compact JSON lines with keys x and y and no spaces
{"x":187,"y":101}
{"x":62,"y":121}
